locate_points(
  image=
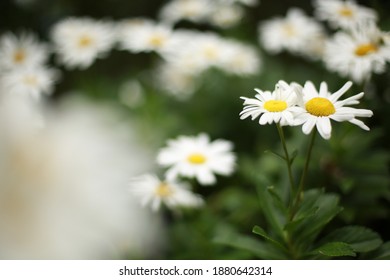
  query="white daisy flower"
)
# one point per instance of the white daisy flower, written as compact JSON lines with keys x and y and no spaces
{"x":226,"y":16}
{"x":197,"y":157}
{"x":195,"y":52}
{"x":171,"y":193}
{"x":345,"y":14}
{"x":171,"y":78}
{"x":79,"y":41}
{"x":59,"y":199}
{"x":240,"y":59}
{"x":272,"y":107}
{"x":33,"y":81}
{"x":143,"y":35}
{"x":21,"y":51}
{"x":359,"y":53}
{"x":295,"y":33}
{"x":192,"y":10}
{"x":244,"y":2}
{"x":318,"y":108}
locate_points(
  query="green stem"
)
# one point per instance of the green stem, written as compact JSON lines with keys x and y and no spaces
{"x":301,"y":185}
{"x":288,"y":160}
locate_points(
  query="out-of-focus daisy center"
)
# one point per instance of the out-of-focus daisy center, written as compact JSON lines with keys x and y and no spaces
{"x":365,"y":49}
{"x":210,"y":52}
{"x":19,"y":56}
{"x":157,"y":40}
{"x":345,"y":12}
{"x":164,"y":190}
{"x":275,"y":105}
{"x":30,"y":80}
{"x":196,"y":158}
{"x":85,"y":41}
{"x":289,"y":30}
{"x":320,"y":107}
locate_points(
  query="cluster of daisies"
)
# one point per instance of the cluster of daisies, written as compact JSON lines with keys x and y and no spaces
{"x":185,"y":53}
{"x":23,"y":66}
{"x":187,"y":157}
{"x":355,"y":48}
{"x":77,"y":42}
{"x":293,"y":104}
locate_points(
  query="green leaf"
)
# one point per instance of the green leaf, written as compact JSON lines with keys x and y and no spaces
{"x":260,"y":231}
{"x":258,"y":248}
{"x":361,"y":239}
{"x":293,"y":156}
{"x":270,"y":205}
{"x":336,"y":249}
{"x":275,"y":154}
{"x":382,"y":253}
{"x":316,"y":211}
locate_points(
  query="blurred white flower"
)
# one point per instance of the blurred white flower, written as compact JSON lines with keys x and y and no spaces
{"x":272,"y":107}
{"x":226,"y":16}
{"x":143,"y":35}
{"x":79,"y":41}
{"x":150,"y":190}
{"x":192,"y":10}
{"x":358,"y":53}
{"x":131,"y":93}
{"x":175,"y":81}
{"x":195,"y":52}
{"x":243,"y":2}
{"x":345,"y":14}
{"x":295,"y":33}
{"x":21,"y":51}
{"x":318,"y":108}
{"x":63,"y":187}
{"x":197,"y":157}
{"x":240,"y":59}
{"x":34,"y":81}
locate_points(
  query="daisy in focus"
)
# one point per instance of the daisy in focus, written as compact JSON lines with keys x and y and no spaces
{"x":197,"y":157}
{"x":154,"y":192}
{"x":21,"y":51}
{"x":295,"y":33}
{"x":272,"y":107}
{"x":343,"y":14}
{"x":79,"y":41}
{"x":317,"y":108}
{"x":358,"y":53}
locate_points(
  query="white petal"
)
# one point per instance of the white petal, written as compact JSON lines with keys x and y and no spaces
{"x":335,"y":96}
{"x":360,"y":124}
{"x":324,"y":127}
{"x":309,"y":125}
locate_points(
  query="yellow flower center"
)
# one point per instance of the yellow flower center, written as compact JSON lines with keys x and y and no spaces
{"x":275,"y":105}
{"x":210,"y":52}
{"x":30,"y":80}
{"x":345,"y":12}
{"x":365,"y":49}
{"x":289,"y":30}
{"x":196,"y":158}
{"x":85,"y":41}
{"x":157,"y":40}
{"x":164,"y":190}
{"x":320,"y":107}
{"x":19,"y":56}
